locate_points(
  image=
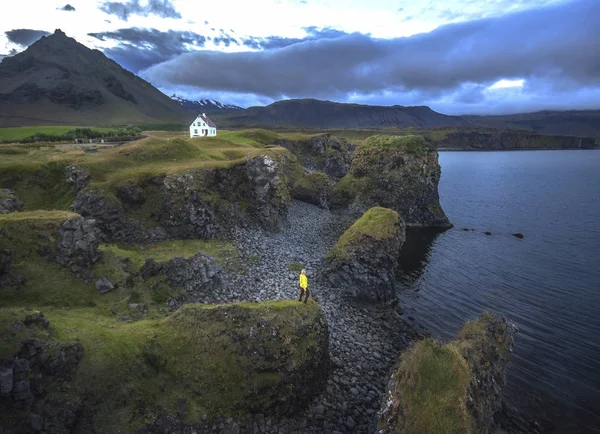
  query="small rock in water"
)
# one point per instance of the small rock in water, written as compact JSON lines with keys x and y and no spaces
{"x":519,"y":235}
{"x":488,"y":233}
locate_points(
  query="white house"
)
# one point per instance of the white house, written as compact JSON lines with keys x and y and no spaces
{"x":203,"y":127}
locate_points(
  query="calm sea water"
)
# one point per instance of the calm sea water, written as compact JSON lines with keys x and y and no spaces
{"x":548,"y":283}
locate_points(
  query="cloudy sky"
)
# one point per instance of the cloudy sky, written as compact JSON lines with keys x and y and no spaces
{"x":456,"y":56}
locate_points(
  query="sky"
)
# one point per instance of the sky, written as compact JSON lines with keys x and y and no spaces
{"x":455,"y":56}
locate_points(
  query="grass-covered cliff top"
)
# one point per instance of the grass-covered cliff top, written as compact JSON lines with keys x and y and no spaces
{"x":410,"y":144}
{"x":37,"y":171}
{"x":226,"y":360}
{"x":432,"y":381}
{"x":376,"y":224}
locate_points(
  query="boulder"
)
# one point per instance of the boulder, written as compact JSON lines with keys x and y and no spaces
{"x":79,"y":241}
{"x":364,"y":260}
{"x":454,"y":387}
{"x":8,"y":202}
{"x":103,"y":285}
{"x":397,"y":172}
{"x":313,"y":188}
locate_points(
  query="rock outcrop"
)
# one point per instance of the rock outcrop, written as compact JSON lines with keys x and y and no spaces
{"x":78,"y":245}
{"x":8,"y":201}
{"x":77,"y":177}
{"x":397,"y":172}
{"x":199,"y":203}
{"x":313,"y":188}
{"x":462,"y":389}
{"x":199,"y":277}
{"x":364,"y":260}
{"x":325,"y":153}
{"x":25,"y":382}
{"x":109,"y":215}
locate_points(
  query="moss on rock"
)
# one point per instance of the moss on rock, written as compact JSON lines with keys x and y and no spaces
{"x":364,"y":260}
{"x":224,"y":360}
{"x":313,"y":188}
{"x":452,"y":388}
{"x":377,"y":224}
{"x":397,"y":172}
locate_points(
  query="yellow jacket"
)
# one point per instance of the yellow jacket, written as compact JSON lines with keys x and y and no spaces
{"x":303,"y":281}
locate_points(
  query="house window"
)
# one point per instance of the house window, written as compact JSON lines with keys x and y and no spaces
{"x":195,"y":131}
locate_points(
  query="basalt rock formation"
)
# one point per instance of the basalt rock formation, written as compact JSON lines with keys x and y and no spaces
{"x":31,"y":399}
{"x":200,"y":203}
{"x":199,"y":277}
{"x":397,"y":172}
{"x":364,"y":259}
{"x":462,"y":389}
{"x":324,"y":153}
{"x":313,"y":188}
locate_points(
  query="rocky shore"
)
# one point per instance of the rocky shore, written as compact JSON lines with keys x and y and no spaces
{"x":364,"y":340}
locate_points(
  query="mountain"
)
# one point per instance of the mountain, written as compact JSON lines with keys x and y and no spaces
{"x":58,"y":81}
{"x":313,"y":113}
{"x":316,"y":114}
{"x":204,"y":105}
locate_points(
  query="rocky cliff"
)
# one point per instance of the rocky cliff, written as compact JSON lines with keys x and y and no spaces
{"x":363,"y":261}
{"x":506,"y":140}
{"x":200,"y":203}
{"x":452,"y":388}
{"x":324,"y":153}
{"x":397,"y":172}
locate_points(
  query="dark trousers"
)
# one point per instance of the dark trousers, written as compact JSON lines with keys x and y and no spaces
{"x":302,"y":292}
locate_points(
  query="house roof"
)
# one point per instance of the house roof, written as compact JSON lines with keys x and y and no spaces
{"x":207,"y":120}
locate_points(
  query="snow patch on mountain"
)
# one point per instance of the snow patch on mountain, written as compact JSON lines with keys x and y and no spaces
{"x":205,"y":104}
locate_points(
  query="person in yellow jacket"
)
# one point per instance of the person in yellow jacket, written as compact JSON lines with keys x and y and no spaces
{"x":304,"y":286}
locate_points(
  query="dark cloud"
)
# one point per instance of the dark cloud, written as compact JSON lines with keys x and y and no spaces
{"x":555,"y":47}
{"x":162,"y":8}
{"x":225,"y":40}
{"x":273,"y":42}
{"x":25,"y":37}
{"x":67,"y":8}
{"x":140,"y":48}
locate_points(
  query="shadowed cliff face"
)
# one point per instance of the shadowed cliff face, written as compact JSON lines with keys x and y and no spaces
{"x":397,"y":172}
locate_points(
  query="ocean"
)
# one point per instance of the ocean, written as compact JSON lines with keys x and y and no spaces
{"x":547,"y":283}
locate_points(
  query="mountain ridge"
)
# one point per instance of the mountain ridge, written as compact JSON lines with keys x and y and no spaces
{"x":58,"y":81}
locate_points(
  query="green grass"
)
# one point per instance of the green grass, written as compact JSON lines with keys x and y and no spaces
{"x":295,"y":266}
{"x":131,"y":372}
{"x":377,"y":224}
{"x":315,"y":181}
{"x":410,"y":143}
{"x":432,"y":382}
{"x":39,"y":216}
{"x":222,"y":251}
